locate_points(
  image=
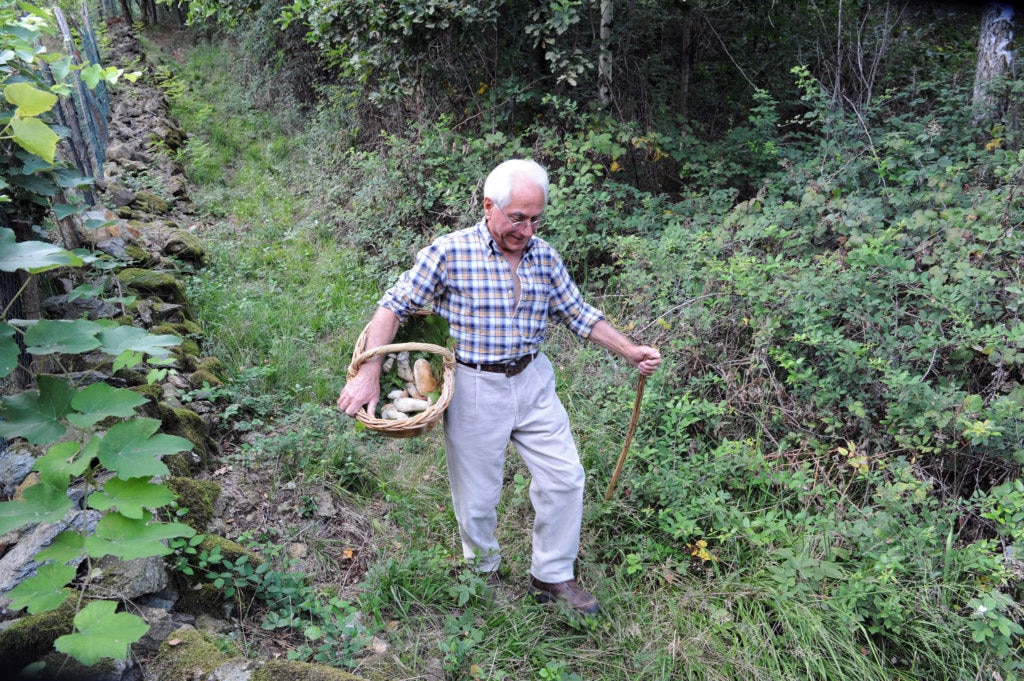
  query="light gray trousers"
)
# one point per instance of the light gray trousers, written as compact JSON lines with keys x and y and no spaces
{"x":486,"y":412}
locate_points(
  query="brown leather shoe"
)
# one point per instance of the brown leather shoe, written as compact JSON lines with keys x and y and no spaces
{"x":568,"y":592}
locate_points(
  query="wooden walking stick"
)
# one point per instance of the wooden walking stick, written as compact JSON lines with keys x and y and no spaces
{"x":629,"y":437}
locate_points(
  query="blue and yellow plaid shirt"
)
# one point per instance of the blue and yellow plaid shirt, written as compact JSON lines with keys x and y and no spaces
{"x":466,"y":279}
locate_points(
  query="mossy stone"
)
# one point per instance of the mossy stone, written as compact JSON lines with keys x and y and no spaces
{"x":187,"y":424}
{"x":203,"y":377}
{"x":151,"y":203}
{"x":211,"y":364}
{"x":198,"y":496}
{"x":293,"y":670}
{"x":150,"y":390}
{"x":140,"y":255}
{"x":31,"y":638}
{"x":186,"y":246}
{"x":150,"y":282}
{"x":183,"y":328}
{"x":186,"y":654}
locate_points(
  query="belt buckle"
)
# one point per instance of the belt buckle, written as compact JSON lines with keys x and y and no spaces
{"x":515,"y":368}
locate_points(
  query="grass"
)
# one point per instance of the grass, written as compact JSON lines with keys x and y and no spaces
{"x":282,"y":302}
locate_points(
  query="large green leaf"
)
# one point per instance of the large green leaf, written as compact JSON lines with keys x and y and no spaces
{"x":61,"y":463}
{"x":101,"y":632}
{"x":33,"y":256}
{"x":132,"y":451}
{"x":131,"y":538}
{"x":99,"y":400}
{"x":9,"y":350}
{"x":30,"y":100}
{"x":120,"y":338}
{"x":38,"y":504}
{"x":31,"y":134}
{"x":70,"y":336}
{"x":35,"y":415}
{"x":131,"y":496}
{"x":44,"y":590}
{"x":66,"y":546}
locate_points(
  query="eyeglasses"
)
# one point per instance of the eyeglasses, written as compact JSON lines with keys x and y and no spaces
{"x":533,"y":222}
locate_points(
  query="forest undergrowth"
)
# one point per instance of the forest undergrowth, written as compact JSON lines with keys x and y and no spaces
{"x":825,"y":481}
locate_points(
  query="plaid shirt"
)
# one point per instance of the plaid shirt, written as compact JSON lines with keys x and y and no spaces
{"x":467,"y":280}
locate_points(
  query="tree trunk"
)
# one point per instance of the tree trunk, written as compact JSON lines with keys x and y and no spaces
{"x":604,"y":59}
{"x":685,"y":72}
{"x":995,"y":58}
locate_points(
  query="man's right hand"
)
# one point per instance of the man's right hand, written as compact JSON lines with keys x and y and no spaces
{"x":362,"y":390}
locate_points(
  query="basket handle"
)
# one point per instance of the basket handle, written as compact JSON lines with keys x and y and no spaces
{"x":357,"y":361}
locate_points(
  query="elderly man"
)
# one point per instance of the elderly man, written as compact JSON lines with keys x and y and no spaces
{"x":497,"y":284}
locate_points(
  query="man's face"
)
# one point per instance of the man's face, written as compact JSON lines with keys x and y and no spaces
{"x":525,"y":207}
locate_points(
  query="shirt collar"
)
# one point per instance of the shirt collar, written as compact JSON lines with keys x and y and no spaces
{"x":492,"y":246}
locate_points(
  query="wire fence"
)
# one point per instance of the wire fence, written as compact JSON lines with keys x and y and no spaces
{"x":86,"y":113}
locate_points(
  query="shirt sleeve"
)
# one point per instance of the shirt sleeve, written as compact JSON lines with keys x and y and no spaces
{"x":566,"y":304}
{"x":417,"y":287}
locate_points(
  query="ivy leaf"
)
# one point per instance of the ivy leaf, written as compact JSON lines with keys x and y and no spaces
{"x":9,"y":350}
{"x":38,"y":504}
{"x":31,"y":134}
{"x":131,"y":538}
{"x":99,"y":400}
{"x":60,"y":464}
{"x":66,"y":546}
{"x":72,"y":336}
{"x":131,"y":496}
{"x":33,"y":256}
{"x":132,"y":451}
{"x":35,"y":415}
{"x":102,"y":632}
{"x":30,"y":100}
{"x":45,"y":590}
{"x":120,"y":338}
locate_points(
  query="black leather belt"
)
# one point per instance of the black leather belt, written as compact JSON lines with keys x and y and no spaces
{"x":509,"y":369}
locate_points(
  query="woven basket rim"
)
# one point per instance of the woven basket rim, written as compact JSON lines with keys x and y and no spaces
{"x":424,"y":420}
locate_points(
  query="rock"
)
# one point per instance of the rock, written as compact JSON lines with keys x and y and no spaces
{"x":162,"y":624}
{"x":15,"y":465}
{"x":150,"y":282}
{"x":151,"y":203}
{"x":59,"y":307}
{"x":114,"y":247}
{"x":121,"y":196}
{"x":296,"y":550}
{"x":19,"y":563}
{"x":128,"y":580}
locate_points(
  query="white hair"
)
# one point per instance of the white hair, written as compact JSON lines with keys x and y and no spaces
{"x":500,"y":182}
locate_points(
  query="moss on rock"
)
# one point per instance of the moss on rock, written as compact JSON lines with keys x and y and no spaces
{"x":198,"y":496}
{"x":200,"y":377}
{"x":151,"y":203}
{"x":293,"y":670}
{"x":189,"y":425}
{"x":31,"y":638}
{"x":186,"y":654}
{"x":140,"y":255}
{"x":150,"y":282}
{"x":186,"y":246}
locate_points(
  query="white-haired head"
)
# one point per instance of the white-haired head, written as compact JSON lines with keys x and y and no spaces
{"x":500,"y":182}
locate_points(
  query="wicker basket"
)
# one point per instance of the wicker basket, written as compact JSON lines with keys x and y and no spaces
{"x":424,"y":420}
